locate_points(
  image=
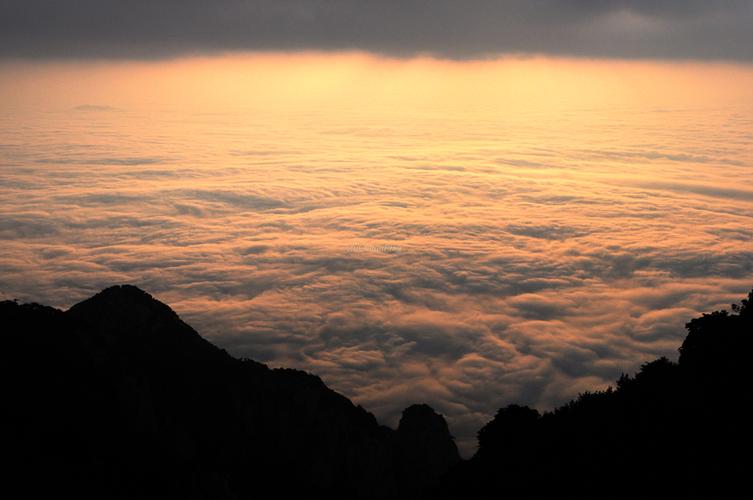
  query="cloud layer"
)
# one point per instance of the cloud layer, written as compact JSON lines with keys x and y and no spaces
{"x":458,"y":254}
{"x":446,"y":28}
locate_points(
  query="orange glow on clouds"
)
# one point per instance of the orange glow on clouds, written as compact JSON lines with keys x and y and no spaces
{"x":553,"y":221}
{"x":356,"y":79}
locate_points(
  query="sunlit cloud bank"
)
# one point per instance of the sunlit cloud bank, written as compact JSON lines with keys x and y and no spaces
{"x":518,"y":231}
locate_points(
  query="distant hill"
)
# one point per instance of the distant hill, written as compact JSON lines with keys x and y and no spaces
{"x":674,"y":430}
{"x":119,"y":398}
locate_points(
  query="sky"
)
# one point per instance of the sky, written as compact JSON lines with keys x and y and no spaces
{"x":674,"y":29}
{"x":463,"y":204}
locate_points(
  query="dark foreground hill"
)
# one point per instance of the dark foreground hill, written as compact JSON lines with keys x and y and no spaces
{"x":674,"y":430}
{"x":118,"y":398}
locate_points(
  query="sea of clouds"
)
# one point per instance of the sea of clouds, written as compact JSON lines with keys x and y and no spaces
{"x":466,"y":263}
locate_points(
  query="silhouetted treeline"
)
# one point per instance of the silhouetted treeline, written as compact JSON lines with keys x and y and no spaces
{"x":118,"y":398}
{"x":674,"y":430}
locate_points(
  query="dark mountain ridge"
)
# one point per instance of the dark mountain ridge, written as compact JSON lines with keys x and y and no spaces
{"x":675,"y":430}
{"x":119,"y":398}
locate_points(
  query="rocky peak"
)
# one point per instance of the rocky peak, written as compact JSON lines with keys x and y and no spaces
{"x":425,"y":446}
{"x":422,"y":419}
{"x":126,"y":317}
{"x":124,"y":305}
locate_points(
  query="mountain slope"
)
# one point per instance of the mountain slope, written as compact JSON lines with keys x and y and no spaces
{"x":681,"y":430}
{"x":118,"y":398}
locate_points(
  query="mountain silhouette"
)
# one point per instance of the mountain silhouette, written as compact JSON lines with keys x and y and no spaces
{"x":674,"y":430}
{"x":119,"y":398}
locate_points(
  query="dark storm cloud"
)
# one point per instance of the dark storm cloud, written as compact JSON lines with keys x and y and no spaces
{"x":451,"y":28}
